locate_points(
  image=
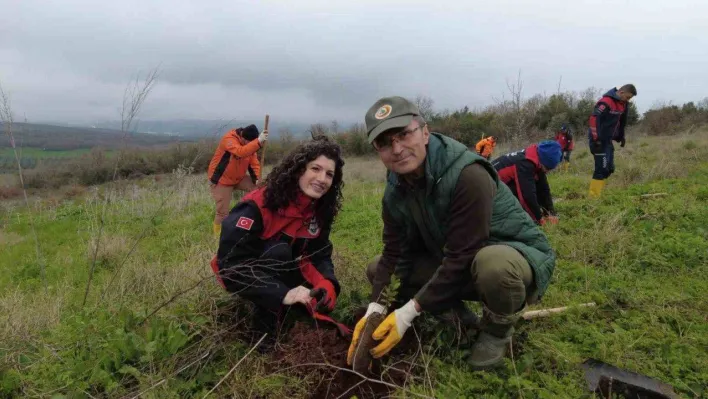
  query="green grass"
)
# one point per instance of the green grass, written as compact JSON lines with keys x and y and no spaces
{"x":644,"y":261}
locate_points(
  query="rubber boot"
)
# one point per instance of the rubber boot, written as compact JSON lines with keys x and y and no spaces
{"x":217,"y":230}
{"x":490,"y":347}
{"x":596,"y":187}
{"x":566,"y":165}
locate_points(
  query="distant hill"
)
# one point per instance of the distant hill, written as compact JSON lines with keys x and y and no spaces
{"x":52,"y":137}
{"x":209,"y":128}
{"x":150,"y":133}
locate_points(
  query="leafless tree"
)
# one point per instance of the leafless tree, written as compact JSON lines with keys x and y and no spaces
{"x":703,"y":104}
{"x":425,"y":105}
{"x":591,"y":94}
{"x":7,"y":118}
{"x":286,"y":137}
{"x":134,"y":96}
{"x":519,"y":118}
{"x":166,"y":195}
{"x":518,"y":113}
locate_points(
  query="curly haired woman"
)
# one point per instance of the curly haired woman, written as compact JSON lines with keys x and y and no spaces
{"x":274,"y":248}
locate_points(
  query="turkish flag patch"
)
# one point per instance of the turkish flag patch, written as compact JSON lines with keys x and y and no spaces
{"x":244,"y":223}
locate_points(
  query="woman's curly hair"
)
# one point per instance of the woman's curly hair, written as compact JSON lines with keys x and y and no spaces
{"x":282,"y":186}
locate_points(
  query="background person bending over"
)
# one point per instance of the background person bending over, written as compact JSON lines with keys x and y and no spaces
{"x":235,"y":155}
{"x":564,"y":137}
{"x":525,"y":173}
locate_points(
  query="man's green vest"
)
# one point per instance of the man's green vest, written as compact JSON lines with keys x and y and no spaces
{"x":427,"y":213}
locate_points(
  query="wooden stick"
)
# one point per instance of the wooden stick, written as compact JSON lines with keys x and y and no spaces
{"x":534,"y":314}
{"x":265,"y":127}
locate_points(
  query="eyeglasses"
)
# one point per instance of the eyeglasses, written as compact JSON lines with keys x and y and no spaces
{"x":385,"y":142}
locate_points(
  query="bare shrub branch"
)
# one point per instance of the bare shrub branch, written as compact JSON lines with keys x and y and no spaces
{"x":133,"y":98}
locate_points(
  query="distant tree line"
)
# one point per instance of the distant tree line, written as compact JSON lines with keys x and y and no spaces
{"x":668,"y":119}
{"x":98,"y":165}
{"x":515,"y":120}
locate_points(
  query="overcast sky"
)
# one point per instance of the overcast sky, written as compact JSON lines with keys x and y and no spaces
{"x":305,"y":61}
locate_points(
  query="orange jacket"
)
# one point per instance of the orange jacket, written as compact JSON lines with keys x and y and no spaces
{"x":485,"y":147}
{"x":233,"y":158}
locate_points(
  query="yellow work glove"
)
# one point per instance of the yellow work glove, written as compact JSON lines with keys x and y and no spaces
{"x":373,"y":308}
{"x":391,"y":330}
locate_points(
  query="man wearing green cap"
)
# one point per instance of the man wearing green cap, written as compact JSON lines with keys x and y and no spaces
{"x":452,"y":232}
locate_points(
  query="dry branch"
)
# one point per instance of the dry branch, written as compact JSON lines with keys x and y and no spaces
{"x":234,"y":367}
{"x":173,"y":298}
{"x":163,"y":201}
{"x":162,"y":381}
{"x":365,"y":378}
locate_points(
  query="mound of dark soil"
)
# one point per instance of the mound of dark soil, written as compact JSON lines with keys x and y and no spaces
{"x":320,"y":355}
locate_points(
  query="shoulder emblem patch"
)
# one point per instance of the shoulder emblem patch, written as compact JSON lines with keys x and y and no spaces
{"x":244,"y":223}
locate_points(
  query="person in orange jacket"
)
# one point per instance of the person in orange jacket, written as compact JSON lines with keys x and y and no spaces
{"x":485,"y":147}
{"x":234,"y":157}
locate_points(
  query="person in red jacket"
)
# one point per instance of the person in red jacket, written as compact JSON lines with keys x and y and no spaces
{"x":565,"y":138}
{"x":274,"y":249}
{"x":235,"y":156}
{"x":607,"y":123}
{"x":525,"y":173}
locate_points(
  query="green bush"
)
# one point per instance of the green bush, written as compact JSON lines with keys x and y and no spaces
{"x":107,"y":352}
{"x":672,"y":119}
{"x":689,"y":145}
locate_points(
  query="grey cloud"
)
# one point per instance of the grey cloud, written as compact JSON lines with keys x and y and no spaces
{"x":319,"y":60}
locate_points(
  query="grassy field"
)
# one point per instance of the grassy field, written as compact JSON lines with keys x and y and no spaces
{"x":31,"y":157}
{"x":39,"y":153}
{"x":153,"y":323}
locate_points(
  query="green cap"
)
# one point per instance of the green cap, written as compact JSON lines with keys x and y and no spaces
{"x":389,"y":113}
